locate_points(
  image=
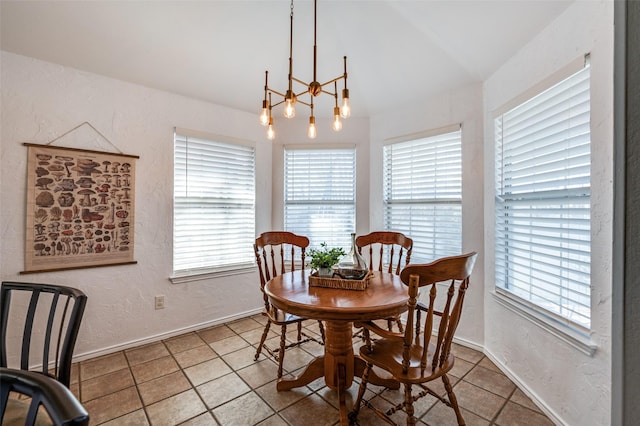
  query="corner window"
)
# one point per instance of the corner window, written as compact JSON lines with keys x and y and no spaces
{"x":213,"y":206}
{"x":320,"y":194}
{"x":423,"y":193}
{"x":542,"y":216}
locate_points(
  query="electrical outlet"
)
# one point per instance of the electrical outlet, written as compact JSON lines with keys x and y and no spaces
{"x":160,"y":302}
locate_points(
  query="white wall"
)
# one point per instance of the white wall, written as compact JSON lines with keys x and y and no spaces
{"x":462,"y":106}
{"x":41,"y":101}
{"x":573,"y":387}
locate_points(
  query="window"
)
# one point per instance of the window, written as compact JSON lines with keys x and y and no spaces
{"x":423,"y":193}
{"x":543,"y":242}
{"x":214,"y":205}
{"x":320,"y":194}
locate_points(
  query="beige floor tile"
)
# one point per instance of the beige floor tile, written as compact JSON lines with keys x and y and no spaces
{"x":517,"y":415}
{"x":207,"y":371}
{"x":274,"y":420}
{"x":106,"y":384}
{"x":489,"y":380}
{"x":441,"y":415}
{"x":248,"y":409}
{"x":461,"y":367}
{"x":486,"y":363}
{"x":280,"y":400}
{"x":102,"y":365}
{"x":163,"y":387}
{"x":520,"y":398}
{"x":137,"y":418}
{"x":222,"y":390}
{"x":259,"y":373}
{"x":241,"y":358}
{"x":204,"y":419}
{"x":213,"y":334}
{"x":184,"y":342}
{"x":465,"y":353}
{"x":154,"y":369}
{"x":312,"y":410}
{"x":176,"y":409}
{"x":229,"y":344}
{"x":254,"y":336}
{"x":477,"y":400}
{"x":245,"y":324}
{"x":113,"y":405}
{"x":146,"y":353}
{"x":195,"y":356}
{"x":295,"y":358}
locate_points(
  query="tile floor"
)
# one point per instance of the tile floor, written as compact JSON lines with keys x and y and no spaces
{"x":209,"y":377}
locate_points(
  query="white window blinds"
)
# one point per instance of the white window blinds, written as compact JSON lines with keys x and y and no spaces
{"x":214,"y":205}
{"x":423,"y":194}
{"x":543,"y":232}
{"x":320,"y":195}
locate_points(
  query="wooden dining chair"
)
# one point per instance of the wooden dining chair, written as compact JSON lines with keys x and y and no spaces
{"x":277,"y":253}
{"x":422,"y":353}
{"x":388,"y":250}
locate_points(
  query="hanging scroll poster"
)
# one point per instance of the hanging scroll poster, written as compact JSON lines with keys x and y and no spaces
{"x":80,"y":208}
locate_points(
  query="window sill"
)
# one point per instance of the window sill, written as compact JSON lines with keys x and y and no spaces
{"x":564,"y":332}
{"x":212,"y":273}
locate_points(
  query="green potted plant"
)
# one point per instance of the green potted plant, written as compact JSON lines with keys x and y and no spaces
{"x":324,"y":258}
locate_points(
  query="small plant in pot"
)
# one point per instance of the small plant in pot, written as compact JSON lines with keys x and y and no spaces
{"x":324,"y":258}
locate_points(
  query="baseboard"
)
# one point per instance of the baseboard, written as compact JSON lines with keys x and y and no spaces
{"x":162,"y":336}
{"x":551,"y":414}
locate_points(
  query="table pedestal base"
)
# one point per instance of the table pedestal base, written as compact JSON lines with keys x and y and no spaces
{"x":338,"y":366}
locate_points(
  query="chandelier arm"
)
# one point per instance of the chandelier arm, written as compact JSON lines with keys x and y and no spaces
{"x":332,"y":94}
{"x":333,"y":80}
{"x":276,"y":93}
{"x":278,"y":103}
{"x":303,"y":102}
{"x":297,"y":80}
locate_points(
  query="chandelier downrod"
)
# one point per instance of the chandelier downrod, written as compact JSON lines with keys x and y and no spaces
{"x":290,"y":99}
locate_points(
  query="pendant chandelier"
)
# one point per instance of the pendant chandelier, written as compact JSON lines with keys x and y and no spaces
{"x":290,"y":98}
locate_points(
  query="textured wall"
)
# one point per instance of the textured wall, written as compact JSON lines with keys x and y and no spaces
{"x":575,"y":388}
{"x":41,"y":101}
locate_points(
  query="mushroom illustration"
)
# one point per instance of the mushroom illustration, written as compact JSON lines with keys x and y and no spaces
{"x":126,"y":193}
{"x":67,"y":214}
{"x":44,"y":199}
{"x":115,"y":167}
{"x":126,"y":204}
{"x":43,"y":183}
{"x":39,"y":228}
{"x":126,"y":178}
{"x":107,"y":177}
{"x":56,"y":168}
{"x":103,"y":197}
{"x":118,"y":182}
{"x":56,"y":212}
{"x":66,"y":199}
{"x":125,"y":167}
{"x":85,"y":182}
{"x":43,"y":157}
{"x":40,"y":215}
{"x":41,"y":171}
{"x":67,"y":244}
{"x":54,"y":226}
{"x":66,"y":166}
{"x":86,"y":167}
{"x":57,"y":175}
{"x":39,"y":247}
{"x":106,"y":165}
{"x":86,"y":193}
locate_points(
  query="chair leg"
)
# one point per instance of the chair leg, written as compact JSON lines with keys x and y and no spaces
{"x":262,"y":340}
{"x":299,"y":331}
{"x":321,"y":326}
{"x":408,"y":405}
{"x":353,"y":415}
{"x":399,"y":324}
{"x":452,"y":399}
{"x":283,"y":336}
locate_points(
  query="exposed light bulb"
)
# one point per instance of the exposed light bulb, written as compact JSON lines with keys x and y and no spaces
{"x":264,"y":116}
{"x":271,"y":134}
{"x":337,"y":124}
{"x":312,"y":132}
{"x":345,"y":110}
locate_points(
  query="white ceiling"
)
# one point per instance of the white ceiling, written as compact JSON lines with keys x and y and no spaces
{"x":218,"y":50}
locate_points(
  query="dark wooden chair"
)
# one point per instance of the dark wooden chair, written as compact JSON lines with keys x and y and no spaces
{"x":277,"y":253}
{"x":422,"y":353}
{"x":389,"y":249}
{"x":49,"y":317}
{"x":45,"y":393}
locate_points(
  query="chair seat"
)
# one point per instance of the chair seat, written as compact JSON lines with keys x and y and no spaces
{"x":280,"y":317}
{"x":387,"y":354}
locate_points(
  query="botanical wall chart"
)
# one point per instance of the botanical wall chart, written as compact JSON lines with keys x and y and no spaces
{"x":80,"y":208}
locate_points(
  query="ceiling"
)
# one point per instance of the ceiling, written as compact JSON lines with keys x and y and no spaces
{"x":398,"y":51}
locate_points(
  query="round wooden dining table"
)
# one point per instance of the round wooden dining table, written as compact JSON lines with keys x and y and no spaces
{"x":384,"y":297}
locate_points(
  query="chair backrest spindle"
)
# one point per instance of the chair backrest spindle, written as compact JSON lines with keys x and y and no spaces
{"x":391,"y":242}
